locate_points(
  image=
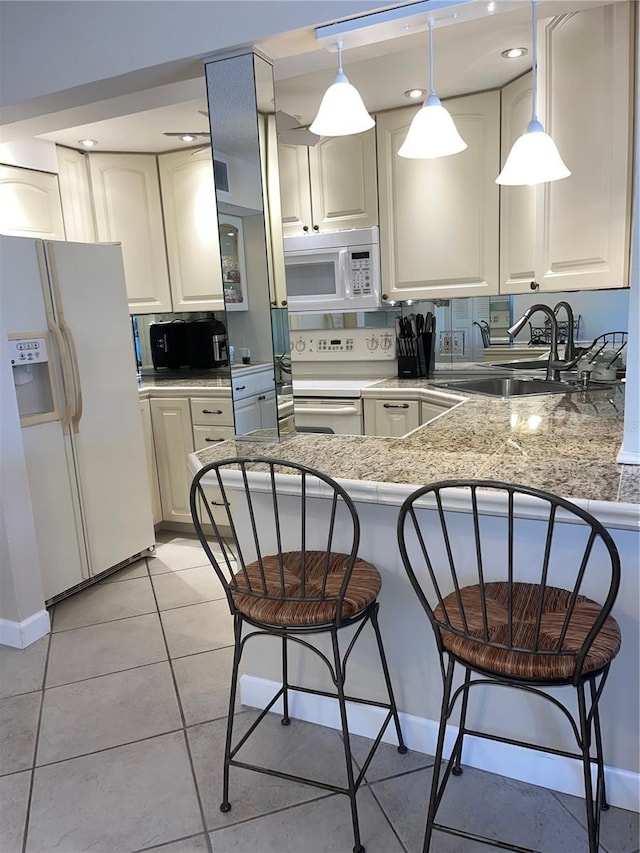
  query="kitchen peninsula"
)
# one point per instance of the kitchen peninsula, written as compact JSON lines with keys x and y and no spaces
{"x":564,"y":443}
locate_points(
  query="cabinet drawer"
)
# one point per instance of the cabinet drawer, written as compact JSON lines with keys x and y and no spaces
{"x":214,"y":411}
{"x":254,"y":383}
{"x":205,"y":436}
{"x":216,"y":504}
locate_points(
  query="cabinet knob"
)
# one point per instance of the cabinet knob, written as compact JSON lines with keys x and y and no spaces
{"x":534,"y":285}
{"x":305,"y":228}
{"x":384,"y":297}
{"x":274,"y":304}
{"x":316,"y":227}
{"x":284,"y":303}
{"x":240,"y":387}
{"x":262,"y":397}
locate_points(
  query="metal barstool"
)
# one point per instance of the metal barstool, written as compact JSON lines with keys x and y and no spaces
{"x":511,"y":610}
{"x":291,"y":580}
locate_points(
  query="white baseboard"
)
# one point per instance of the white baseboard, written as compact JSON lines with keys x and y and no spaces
{"x":22,"y":634}
{"x":628,"y":457}
{"x":515,"y":762}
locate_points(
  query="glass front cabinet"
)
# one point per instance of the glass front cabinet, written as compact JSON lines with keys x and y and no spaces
{"x":234,"y":280}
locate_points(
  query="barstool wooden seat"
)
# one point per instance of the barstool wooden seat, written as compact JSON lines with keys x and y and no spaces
{"x":510,"y":606}
{"x":292,"y":580}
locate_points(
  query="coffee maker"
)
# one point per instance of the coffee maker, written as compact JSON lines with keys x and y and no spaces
{"x":207,"y":344}
{"x":168,"y":342}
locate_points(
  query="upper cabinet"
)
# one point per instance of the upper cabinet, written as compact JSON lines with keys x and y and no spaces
{"x":30,"y":204}
{"x":126,"y":196}
{"x":234,"y":276}
{"x":75,"y":192}
{"x":329,"y":187}
{"x":191,"y":227}
{"x":439,"y":218}
{"x":574,"y":234}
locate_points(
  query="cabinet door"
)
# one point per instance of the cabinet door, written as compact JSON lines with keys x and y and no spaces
{"x":191,"y":227}
{"x":392,"y":418}
{"x":75,"y":192}
{"x":234,"y":274}
{"x":295,"y":196}
{"x":150,"y":454}
{"x":439,"y":218}
{"x":173,"y":438}
{"x":268,"y":407}
{"x":273,"y":209}
{"x":344,"y":184}
{"x":247,"y":415}
{"x":585,"y":75}
{"x":126,"y":196}
{"x":517,"y":204}
{"x":30,"y":204}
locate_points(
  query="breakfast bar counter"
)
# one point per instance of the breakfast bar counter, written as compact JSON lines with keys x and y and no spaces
{"x":562,"y":443}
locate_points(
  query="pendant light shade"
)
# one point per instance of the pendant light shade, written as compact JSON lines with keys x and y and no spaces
{"x":534,"y":157}
{"x":342,"y":111}
{"x":432,"y":132}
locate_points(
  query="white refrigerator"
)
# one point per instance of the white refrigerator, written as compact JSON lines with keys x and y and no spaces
{"x":66,"y":320}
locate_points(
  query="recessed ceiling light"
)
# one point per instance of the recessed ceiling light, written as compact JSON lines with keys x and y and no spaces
{"x":414,"y":94}
{"x":188,"y":138}
{"x":514,"y":52}
{"x":88,"y":143}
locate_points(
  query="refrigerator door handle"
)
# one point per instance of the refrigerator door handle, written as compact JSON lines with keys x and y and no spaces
{"x":75,"y":367}
{"x":65,"y":367}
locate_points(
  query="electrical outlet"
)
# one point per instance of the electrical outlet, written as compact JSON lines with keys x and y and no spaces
{"x":457,"y":343}
{"x":445,"y":343}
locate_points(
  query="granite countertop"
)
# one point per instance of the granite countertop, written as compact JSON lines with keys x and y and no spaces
{"x":563,"y":443}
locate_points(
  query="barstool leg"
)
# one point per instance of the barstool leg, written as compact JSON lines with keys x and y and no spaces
{"x":358,"y":848}
{"x":225,"y":805}
{"x":385,"y":669}
{"x":593,"y":813}
{"x":604,"y":805}
{"x":285,"y":685}
{"x":434,"y":795}
{"x":457,"y":750}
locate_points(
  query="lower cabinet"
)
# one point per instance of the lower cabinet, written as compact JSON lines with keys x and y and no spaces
{"x":152,"y":467}
{"x":392,"y":418}
{"x":173,"y":438}
{"x":256,"y":412}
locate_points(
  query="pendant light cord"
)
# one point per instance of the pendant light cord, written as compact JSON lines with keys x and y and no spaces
{"x":340,"y":71}
{"x":534,"y":68}
{"x":431,"y":89}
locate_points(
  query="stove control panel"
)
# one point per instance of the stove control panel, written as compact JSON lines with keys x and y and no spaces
{"x":343,"y":344}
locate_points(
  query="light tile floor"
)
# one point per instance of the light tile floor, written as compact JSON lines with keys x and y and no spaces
{"x":112,"y":731}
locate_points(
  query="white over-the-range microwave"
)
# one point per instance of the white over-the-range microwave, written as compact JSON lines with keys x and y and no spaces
{"x":337,"y":271}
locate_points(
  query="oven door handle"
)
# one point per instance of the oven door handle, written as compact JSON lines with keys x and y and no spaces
{"x":326,"y":410}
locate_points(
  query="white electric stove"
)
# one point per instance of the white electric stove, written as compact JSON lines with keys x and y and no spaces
{"x":330,"y":369}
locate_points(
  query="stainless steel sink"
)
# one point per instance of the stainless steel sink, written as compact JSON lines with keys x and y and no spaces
{"x":522,"y":364}
{"x":509,"y":386}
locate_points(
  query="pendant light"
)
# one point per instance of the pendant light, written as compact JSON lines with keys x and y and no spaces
{"x":534,"y":158}
{"x":432,"y":132}
{"x":342,"y":111}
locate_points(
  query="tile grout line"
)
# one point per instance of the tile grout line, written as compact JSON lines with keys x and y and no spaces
{"x":577,"y":819}
{"x":27,"y":817}
{"x":184,"y":722}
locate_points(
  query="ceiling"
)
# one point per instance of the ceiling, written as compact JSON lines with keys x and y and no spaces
{"x":467,"y":58}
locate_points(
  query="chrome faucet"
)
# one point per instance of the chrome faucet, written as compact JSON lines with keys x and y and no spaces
{"x":553,"y":364}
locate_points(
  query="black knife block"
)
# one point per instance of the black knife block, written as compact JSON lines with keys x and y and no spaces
{"x":416,"y":356}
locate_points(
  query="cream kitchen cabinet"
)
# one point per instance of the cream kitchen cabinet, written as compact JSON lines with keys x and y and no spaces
{"x":152,"y":467}
{"x":75,"y":192}
{"x":268,"y":140}
{"x":439,"y":218}
{"x":331,"y":186}
{"x":173,"y":438}
{"x":191,"y":228}
{"x":574,"y":234}
{"x":256,"y":412}
{"x":212,"y":419}
{"x":391,"y":417}
{"x":126,"y":197}
{"x":30,"y":204}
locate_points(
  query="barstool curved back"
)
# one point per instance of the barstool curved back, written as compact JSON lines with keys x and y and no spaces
{"x":511,"y":579}
{"x":283,"y":539}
